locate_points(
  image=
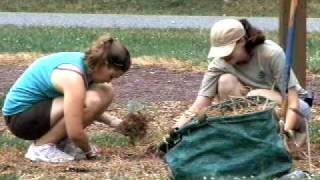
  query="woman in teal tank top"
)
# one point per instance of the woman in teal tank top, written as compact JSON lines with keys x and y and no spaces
{"x":59,"y":95}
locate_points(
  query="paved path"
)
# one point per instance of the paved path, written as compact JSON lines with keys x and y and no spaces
{"x":133,"y":21}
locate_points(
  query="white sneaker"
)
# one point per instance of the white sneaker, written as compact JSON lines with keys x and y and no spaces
{"x":47,"y":153}
{"x":67,"y":146}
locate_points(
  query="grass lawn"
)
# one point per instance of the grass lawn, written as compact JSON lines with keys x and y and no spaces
{"x":186,"y":45}
{"x":176,"y":7}
{"x":313,"y":52}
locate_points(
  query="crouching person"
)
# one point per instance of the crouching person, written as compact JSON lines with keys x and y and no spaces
{"x":244,"y":63}
{"x":61,"y":94}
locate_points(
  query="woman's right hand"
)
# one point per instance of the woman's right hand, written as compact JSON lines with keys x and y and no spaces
{"x":198,"y":107}
{"x":182,"y":120}
{"x":110,"y":120}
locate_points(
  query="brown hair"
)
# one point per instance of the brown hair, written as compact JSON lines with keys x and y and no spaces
{"x":107,"y":51}
{"x":254,"y":36}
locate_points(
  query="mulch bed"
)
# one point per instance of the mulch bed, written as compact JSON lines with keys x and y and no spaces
{"x":149,"y":84}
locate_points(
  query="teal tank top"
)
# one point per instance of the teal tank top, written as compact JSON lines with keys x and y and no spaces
{"x":35,"y":85}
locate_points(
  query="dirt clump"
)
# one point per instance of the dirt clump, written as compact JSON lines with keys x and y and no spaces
{"x":134,"y":126}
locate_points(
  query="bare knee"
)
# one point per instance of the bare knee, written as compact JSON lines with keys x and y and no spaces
{"x":99,"y":97}
{"x":106,"y":91}
{"x":227,"y":81}
{"x":229,"y":85}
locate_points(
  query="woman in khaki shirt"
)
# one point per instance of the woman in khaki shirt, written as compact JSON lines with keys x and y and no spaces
{"x":245,"y":64}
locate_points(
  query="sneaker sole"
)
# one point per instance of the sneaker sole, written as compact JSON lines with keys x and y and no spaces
{"x":41,"y":160}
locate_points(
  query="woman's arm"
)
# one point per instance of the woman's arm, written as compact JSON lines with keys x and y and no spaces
{"x":278,"y":64}
{"x":71,"y":84}
{"x":110,"y":120}
{"x":292,"y":115}
{"x":200,"y":104}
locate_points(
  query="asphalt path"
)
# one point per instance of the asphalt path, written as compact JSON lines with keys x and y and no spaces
{"x":134,"y":21}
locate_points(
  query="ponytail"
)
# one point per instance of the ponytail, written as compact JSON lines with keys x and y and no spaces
{"x":107,"y":51}
{"x":254,"y":36}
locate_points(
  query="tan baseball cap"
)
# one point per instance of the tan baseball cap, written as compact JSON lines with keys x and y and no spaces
{"x":223,"y":37}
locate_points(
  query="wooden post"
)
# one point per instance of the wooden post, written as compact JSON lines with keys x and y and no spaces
{"x":283,"y":22}
{"x":299,"y":65}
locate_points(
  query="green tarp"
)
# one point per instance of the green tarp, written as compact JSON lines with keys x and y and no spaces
{"x":241,"y":146}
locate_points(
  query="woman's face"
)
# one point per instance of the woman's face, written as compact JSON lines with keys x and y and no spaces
{"x":239,"y":54}
{"x":106,"y":74}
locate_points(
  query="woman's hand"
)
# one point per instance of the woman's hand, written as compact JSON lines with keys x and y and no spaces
{"x":182,"y":120}
{"x":110,"y":120}
{"x":134,"y":126}
{"x":71,"y":84}
{"x":200,"y":104}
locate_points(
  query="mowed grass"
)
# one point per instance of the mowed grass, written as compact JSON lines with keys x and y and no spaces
{"x":185,"y":45}
{"x":175,"y":7}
